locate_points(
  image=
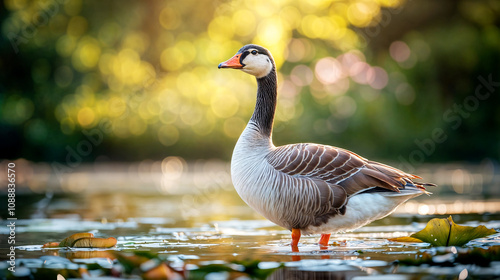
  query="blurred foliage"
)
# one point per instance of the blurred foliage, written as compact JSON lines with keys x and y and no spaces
{"x":128,"y":80}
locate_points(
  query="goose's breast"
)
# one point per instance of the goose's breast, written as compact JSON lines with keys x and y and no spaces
{"x":287,"y":201}
{"x":253,"y":179}
{"x":250,"y":171}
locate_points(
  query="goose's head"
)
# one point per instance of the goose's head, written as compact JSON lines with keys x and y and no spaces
{"x":251,"y":59}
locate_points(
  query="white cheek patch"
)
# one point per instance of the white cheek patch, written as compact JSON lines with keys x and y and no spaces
{"x":257,"y":65}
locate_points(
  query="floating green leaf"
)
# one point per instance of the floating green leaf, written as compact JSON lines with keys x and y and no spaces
{"x":405,"y":239}
{"x":436,"y":232}
{"x":460,"y":235}
{"x":444,"y":232}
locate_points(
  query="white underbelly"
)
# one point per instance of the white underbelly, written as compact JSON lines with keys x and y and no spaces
{"x":361,"y":209}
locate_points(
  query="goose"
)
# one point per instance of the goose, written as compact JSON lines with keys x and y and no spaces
{"x":307,"y":188}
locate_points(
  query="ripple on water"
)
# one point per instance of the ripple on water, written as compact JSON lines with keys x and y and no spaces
{"x":66,"y":225}
{"x":364,"y":255}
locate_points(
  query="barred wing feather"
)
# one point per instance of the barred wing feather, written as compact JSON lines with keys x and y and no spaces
{"x":338,"y":167}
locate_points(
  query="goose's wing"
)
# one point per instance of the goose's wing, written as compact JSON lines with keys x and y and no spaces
{"x":338,"y":167}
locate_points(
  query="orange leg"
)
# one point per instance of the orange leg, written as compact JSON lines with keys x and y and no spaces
{"x":323,"y":241}
{"x":295,"y":242}
{"x":295,"y":239}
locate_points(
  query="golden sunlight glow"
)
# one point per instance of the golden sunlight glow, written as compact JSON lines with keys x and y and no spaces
{"x":449,"y":207}
{"x":361,"y":13}
{"x":86,"y":116}
{"x":224,"y":105}
{"x":169,"y":18}
{"x":86,"y":54}
{"x":180,"y":89}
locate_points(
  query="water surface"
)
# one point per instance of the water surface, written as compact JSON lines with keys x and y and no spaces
{"x":192,"y":217}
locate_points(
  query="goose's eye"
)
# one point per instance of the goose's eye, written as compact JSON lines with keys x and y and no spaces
{"x":254,"y":52}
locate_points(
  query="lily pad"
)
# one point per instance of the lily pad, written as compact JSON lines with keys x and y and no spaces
{"x":405,"y":239}
{"x":460,"y":235}
{"x":444,"y":232}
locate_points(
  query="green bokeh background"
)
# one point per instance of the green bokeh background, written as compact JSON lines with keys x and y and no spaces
{"x":388,"y":79}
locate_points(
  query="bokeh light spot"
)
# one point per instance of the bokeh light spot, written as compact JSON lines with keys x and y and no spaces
{"x":63,"y":76}
{"x":343,"y":107}
{"x":137,"y":126}
{"x":77,"y":26}
{"x":86,"y":55}
{"x":381,"y":78}
{"x":244,"y":21}
{"x":65,"y":45}
{"x":191,"y":115}
{"x":224,"y":105}
{"x":219,"y":30}
{"x":399,"y":51}
{"x":173,"y":167}
{"x":405,"y":94}
{"x":168,"y":135}
{"x":362,"y":73}
{"x":233,"y":127}
{"x":109,"y":33}
{"x":169,"y":18}
{"x":17,"y":110}
{"x":301,"y":75}
{"x":361,"y":13}
{"x":270,"y":32}
{"x":172,"y":59}
{"x":86,"y":116}
{"x":328,"y":70}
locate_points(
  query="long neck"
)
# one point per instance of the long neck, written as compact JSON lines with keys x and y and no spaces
{"x":265,"y":106}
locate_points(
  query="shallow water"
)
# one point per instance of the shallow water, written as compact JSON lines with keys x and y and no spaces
{"x":205,"y":223}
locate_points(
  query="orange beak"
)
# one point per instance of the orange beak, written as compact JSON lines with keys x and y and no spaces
{"x":233,"y":62}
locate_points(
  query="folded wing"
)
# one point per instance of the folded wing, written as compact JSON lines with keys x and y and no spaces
{"x":338,"y":168}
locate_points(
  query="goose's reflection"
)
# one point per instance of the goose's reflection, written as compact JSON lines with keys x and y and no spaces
{"x":295,"y":274}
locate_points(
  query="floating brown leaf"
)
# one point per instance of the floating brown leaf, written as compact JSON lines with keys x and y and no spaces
{"x":51,"y":245}
{"x":68,"y":241}
{"x":83,"y":240}
{"x":92,"y":242}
